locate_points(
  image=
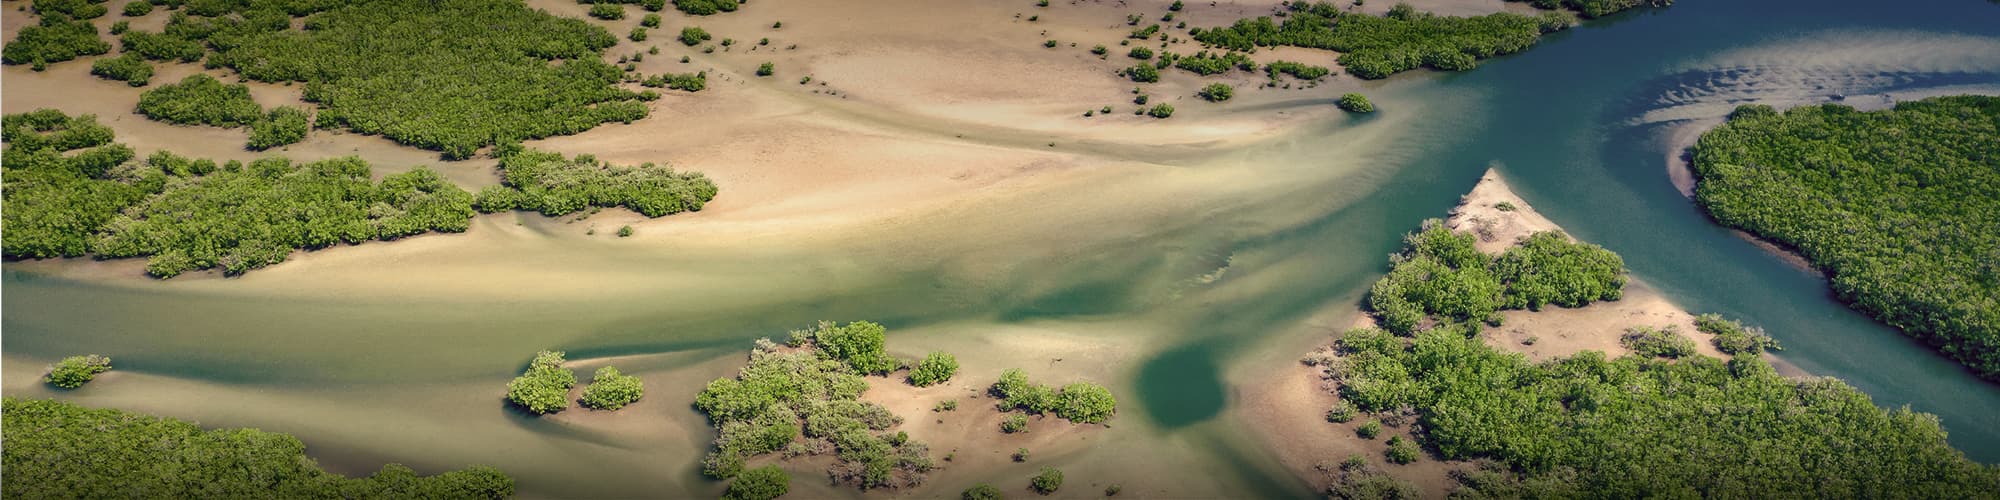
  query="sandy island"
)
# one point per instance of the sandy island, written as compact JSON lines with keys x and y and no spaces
{"x":1288,"y":409}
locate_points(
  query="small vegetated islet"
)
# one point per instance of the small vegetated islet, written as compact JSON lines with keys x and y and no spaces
{"x":1080,"y":402}
{"x":1403,"y":39}
{"x":74,"y":371}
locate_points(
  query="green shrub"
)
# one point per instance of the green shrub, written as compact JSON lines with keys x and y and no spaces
{"x":638,"y":34}
{"x":1217,"y":92}
{"x":650,"y":21}
{"x":161,"y":46}
{"x":1014,"y":424}
{"x":694,"y":35}
{"x":858,"y":344}
{"x":762,"y":483}
{"x":1161,"y":110}
{"x":1047,"y":481}
{"x":1176,"y":7}
{"x":1549,"y":269}
{"x":611,"y":390}
{"x":1356,"y":103}
{"x":1369,"y":430}
{"x":1140,"y":53}
{"x":607,"y":11}
{"x":1143,"y":73}
{"x":73,"y":9}
{"x":74,"y":371}
{"x":60,"y":450}
{"x":705,"y":7}
{"x":282,"y":126}
{"x":1051,"y":43}
{"x":765,"y":69}
{"x":1206,"y":64}
{"x":1657,"y":342}
{"x":60,"y":186}
{"x":1903,"y":231}
{"x":1732,"y":338}
{"x":1297,"y":70}
{"x":936,"y":368}
{"x":1085,"y":402}
{"x":1340,"y":413}
{"x":1402,"y":451}
{"x":1144,"y":33}
{"x":544,"y":387}
{"x":981,"y":491}
{"x":120,"y":27}
{"x":624,"y":231}
{"x":55,"y":39}
{"x":1099,"y":50}
{"x":138,"y":8}
{"x":779,"y":394}
{"x":130,"y":68}
{"x":553,"y":185}
{"x":946,"y":405}
{"x":1377,"y":46}
{"x":200,"y":99}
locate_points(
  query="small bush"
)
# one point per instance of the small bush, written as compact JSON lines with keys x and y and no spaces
{"x":1113,"y":490}
{"x":1020,"y":454}
{"x":762,"y":483}
{"x":282,"y":126}
{"x":1217,"y":92}
{"x":1051,"y":43}
{"x":1657,"y":342}
{"x":1733,"y":338}
{"x":766,"y":69}
{"x":1401,"y":450}
{"x":638,"y":34}
{"x":1100,"y":50}
{"x":611,"y":390}
{"x":650,"y":21}
{"x":1369,"y":430}
{"x":1140,"y":53}
{"x":140,"y":8}
{"x":607,"y":11}
{"x":981,"y":491}
{"x":130,"y":68}
{"x":1340,"y":413}
{"x":625,"y":231}
{"x":1176,"y":7}
{"x":705,"y":7}
{"x":544,"y":387}
{"x":1162,"y":110}
{"x":74,"y":371}
{"x":946,"y":405}
{"x":1048,"y":481}
{"x":694,"y":35}
{"x":1013,"y":424}
{"x":1505,"y":206}
{"x":1356,"y":103}
{"x":1143,"y":73}
{"x":936,"y":368}
{"x":55,"y":39}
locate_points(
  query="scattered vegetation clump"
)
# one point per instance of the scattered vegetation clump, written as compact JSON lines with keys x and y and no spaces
{"x":245,"y":217}
{"x":200,"y":99}
{"x":1047,"y":481}
{"x":1590,"y":426}
{"x":282,"y":126}
{"x":638,"y":34}
{"x":1143,"y":73}
{"x":55,"y":449}
{"x":548,"y":183}
{"x":129,"y":68}
{"x":1297,"y":70}
{"x":1595,"y":8}
{"x":1014,"y":424}
{"x":860,"y":344}
{"x":73,"y":9}
{"x":1732,"y":338}
{"x":1140,"y":53}
{"x":138,"y":8}
{"x":766,"y":69}
{"x":694,"y":35}
{"x":1896,"y":206}
{"x":1356,"y":103}
{"x":74,"y":371}
{"x":650,"y":21}
{"x":508,"y":73}
{"x":607,"y":11}
{"x":1443,"y":275}
{"x":1216,"y":92}
{"x":762,"y":483}
{"x":691,"y":82}
{"x":544,"y":387}
{"x":1657,"y":342}
{"x":55,"y":39}
{"x":981,"y":491}
{"x":1340,"y":413}
{"x":1145,"y":33}
{"x":936,"y":368}
{"x":610,"y":390}
{"x":1205,"y":63}
{"x":782,"y":395}
{"x":1080,"y":402}
{"x":162,"y":46}
{"x":705,"y":7}
{"x":1369,"y":429}
{"x":1403,"y":39}
{"x":624,"y":231}
{"x":1161,"y":110}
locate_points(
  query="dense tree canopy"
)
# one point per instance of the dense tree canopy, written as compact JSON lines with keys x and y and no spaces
{"x":282,"y":126}
{"x":762,"y":483}
{"x":783,"y":394}
{"x":54,"y":449}
{"x":936,"y":368}
{"x":1595,"y":8}
{"x":1404,"y":39}
{"x":1356,"y":103}
{"x":54,"y":39}
{"x":544,"y":387}
{"x":1899,"y":207}
{"x":65,"y":180}
{"x":128,"y":68}
{"x":449,"y":75}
